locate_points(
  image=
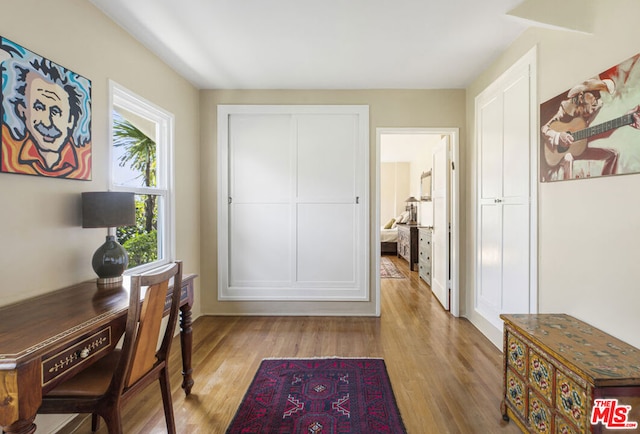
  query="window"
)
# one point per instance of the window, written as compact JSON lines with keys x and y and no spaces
{"x":141,"y":162}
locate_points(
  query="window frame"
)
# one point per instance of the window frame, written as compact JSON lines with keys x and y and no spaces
{"x":119,"y":96}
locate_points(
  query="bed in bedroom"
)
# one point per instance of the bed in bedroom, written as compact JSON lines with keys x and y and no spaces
{"x":389,"y":241}
{"x":389,"y":234}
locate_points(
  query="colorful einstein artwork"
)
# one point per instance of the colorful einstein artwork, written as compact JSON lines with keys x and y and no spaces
{"x":46,"y":116}
{"x":592,"y":129}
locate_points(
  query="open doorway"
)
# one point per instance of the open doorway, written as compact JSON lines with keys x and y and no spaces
{"x":407,"y":153}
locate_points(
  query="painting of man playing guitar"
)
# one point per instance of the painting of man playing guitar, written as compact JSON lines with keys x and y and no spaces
{"x":575,"y":143}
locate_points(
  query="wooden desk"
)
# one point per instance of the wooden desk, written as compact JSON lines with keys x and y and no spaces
{"x":50,"y":338}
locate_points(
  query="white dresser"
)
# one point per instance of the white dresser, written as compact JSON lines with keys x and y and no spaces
{"x":424,"y":253}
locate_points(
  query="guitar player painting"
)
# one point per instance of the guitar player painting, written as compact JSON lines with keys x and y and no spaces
{"x":593,"y":129}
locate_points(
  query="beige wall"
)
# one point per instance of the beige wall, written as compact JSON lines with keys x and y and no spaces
{"x":394,"y":189}
{"x":589,"y":235}
{"x":43,"y":245}
{"x":387,"y":108}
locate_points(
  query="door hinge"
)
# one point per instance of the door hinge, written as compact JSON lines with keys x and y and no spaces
{"x":453,"y":166}
{"x":230,"y":200}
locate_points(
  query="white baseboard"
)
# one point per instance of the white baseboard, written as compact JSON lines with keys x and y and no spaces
{"x":492,"y":333}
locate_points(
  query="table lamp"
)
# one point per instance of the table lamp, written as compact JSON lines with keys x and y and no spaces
{"x":412,"y":210}
{"x":109,"y":209}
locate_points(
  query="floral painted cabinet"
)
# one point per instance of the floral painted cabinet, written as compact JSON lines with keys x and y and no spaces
{"x":554,"y":368}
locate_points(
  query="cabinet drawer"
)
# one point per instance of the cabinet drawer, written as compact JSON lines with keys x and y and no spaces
{"x":517,"y":355}
{"x":76,"y":355}
{"x":425,"y":255}
{"x":571,"y":400}
{"x":563,"y":427}
{"x":541,"y":375}
{"x":516,"y":393}
{"x":424,"y":240}
{"x":540,"y":415}
{"x":424,"y":271}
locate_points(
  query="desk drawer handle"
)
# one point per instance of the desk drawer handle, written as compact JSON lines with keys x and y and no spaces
{"x":75,"y":354}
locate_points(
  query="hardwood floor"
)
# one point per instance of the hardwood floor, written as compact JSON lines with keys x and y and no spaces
{"x":445,"y":374}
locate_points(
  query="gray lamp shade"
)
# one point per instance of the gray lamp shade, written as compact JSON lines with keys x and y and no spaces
{"x":108,"y":209}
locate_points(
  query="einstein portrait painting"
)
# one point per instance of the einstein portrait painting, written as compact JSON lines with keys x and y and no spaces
{"x":46,"y":116}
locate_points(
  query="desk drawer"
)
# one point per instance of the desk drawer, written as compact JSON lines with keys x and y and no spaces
{"x":184,"y":297}
{"x":76,"y":356}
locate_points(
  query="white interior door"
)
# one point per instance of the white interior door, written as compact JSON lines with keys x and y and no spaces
{"x":441,"y":223}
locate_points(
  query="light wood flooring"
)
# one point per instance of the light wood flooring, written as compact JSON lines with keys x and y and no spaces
{"x":445,"y":374}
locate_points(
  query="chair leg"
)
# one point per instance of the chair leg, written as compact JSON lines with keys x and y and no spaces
{"x":95,"y":422}
{"x":113,"y":419}
{"x":165,"y":389}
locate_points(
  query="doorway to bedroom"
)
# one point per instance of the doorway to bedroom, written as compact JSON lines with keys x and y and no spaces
{"x":417,"y":187}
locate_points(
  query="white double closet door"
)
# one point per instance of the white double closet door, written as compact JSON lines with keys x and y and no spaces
{"x":506,"y":243}
{"x":293,"y":202}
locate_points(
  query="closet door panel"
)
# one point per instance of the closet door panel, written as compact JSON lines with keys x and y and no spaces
{"x":260,"y":158}
{"x":490,"y":260}
{"x":260,"y":251}
{"x":515,"y":258}
{"x":259,"y":194}
{"x":516,"y":139}
{"x":491,"y":149}
{"x":326,"y":157}
{"x":326,"y":190}
{"x":326,"y":244}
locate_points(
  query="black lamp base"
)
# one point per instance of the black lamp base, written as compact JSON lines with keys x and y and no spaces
{"x":109,"y":262}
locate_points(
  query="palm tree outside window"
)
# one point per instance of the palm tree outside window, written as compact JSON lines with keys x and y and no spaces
{"x":140,"y":163}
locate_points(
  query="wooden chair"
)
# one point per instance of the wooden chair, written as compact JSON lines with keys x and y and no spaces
{"x":104,"y":387}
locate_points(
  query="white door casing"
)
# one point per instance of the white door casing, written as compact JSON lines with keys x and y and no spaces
{"x":454,"y":251}
{"x":293,"y":203}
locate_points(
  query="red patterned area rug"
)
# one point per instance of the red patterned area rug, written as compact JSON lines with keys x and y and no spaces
{"x":388,"y":269}
{"x":319,"y":396}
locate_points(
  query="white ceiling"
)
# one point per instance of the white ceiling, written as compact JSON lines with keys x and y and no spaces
{"x":322,"y":44}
